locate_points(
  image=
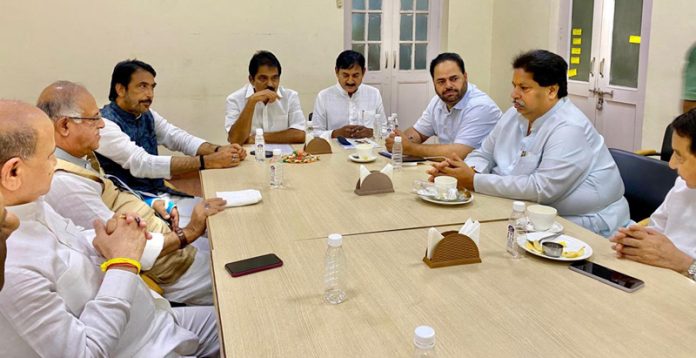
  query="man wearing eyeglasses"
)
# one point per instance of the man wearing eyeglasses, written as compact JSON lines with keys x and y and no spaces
{"x":134,"y":158}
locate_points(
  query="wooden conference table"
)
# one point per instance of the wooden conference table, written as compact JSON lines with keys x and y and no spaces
{"x":500,"y":307}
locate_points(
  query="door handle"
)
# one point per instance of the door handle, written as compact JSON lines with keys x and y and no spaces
{"x":599,"y":92}
{"x":386,"y":60}
{"x":394,"y":59}
{"x":592,"y":67}
{"x":601,"y":68}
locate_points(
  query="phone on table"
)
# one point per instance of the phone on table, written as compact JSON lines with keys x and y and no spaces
{"x":254,"y":264}
{"x":604,"y":274}
{"x":269,"y":153}
{"x":405,"y":158}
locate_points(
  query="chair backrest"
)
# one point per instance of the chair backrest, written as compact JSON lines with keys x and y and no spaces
{"x":666,"y":150}
{"x":647,"y":181}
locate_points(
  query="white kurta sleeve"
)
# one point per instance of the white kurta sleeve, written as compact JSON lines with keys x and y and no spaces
{"x":482,"y":159}
{"x":175,"y":138}
{"x":564,"y":159}
{"x":117,"y":146}
{"x":296,"y":118}
{"x":319,"y":117}
{"x":78,"y":199}
{"x":233,"y":109}
{"x":658,"y":219}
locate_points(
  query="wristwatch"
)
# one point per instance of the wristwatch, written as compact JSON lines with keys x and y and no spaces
{"x":692,"y":270}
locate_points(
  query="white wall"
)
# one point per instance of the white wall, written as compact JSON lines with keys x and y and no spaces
{"x":200,"y":49}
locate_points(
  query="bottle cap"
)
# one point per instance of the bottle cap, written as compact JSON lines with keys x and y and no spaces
{"x":259,"y":131}
{"x":277,"y":152}
{"x":335,"y":240}
{"x":424,"y":337}
{"x":518,"y":206}
{"x":397,"y":139}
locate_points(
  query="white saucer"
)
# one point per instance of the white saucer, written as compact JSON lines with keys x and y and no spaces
{"x":431,"y":199}
{"x":354,"y":157}
{"x":572,"y":244}
{"x":555,"y":228}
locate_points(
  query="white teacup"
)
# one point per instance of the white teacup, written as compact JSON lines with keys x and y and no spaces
{"x":364,"y":151}
{"x":443,"y":184}
{"x":541,"y":216}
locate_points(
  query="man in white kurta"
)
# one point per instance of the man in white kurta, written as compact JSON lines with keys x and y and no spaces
{"x":669,"y":240}
{"x":349,"y":107}
{"x":57,"y":302}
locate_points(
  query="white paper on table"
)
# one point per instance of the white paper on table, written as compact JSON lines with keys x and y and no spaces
{"x":240,"y":197}
{"x":363,"y":173}
{"x":388,"y":170}
{"x":284,"y":148}
{"x":472,"y":229}
{"x":434,"y":237}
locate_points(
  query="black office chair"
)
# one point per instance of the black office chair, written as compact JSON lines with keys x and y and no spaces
{"x":646,"y":181}
{"x":665,"y":152}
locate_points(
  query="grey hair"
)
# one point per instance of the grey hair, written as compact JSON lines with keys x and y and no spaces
{"x":59,"y":98}
{"x":19,"y":141}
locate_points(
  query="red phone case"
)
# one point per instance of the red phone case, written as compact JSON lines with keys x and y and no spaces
{"x":254,"y":269}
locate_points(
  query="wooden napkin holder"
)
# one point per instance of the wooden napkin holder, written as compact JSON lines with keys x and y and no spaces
{"x":318,"y":146}
{"x":453,"y":249}
{"x":375,"y":183}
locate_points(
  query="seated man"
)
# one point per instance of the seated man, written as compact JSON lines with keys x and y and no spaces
{"x":689,"y":93}
{"x":460,"y":115}
{"x":129,"y":140}
{"x":81,"y":193}
{"x":58,"y":302}
{"x":545,"y":150}
{"x":262,"y":103}
{"x":669,"y":239}
{"x":339,"y":110}
{"x":8,"y":224}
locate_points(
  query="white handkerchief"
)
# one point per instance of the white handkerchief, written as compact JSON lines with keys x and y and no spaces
{"x":240,"y":197}
{"x":472,"y":229}
{"x":388,"y":170}
{"x":434,"y":238}
{"x":363,"y":173}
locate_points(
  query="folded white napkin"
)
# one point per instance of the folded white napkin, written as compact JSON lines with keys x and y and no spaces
{"x":388,"y":170}
{"x":240,"y":197}
{"x":434,"y":238}
{"x":471,"y":229}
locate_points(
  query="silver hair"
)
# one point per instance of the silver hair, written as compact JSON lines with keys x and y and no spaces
{"x":17,"y":140}
{"x":62,"y":101}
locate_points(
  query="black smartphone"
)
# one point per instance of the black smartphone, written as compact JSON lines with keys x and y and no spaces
{"x":405,"y":158}
{"x":604,"y":274}
{"x":269,"y":153}
{"x":254,"y":264}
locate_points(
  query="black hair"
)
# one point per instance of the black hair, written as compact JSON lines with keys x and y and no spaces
{"x":348,"y":59}
{"x":263,"y":58}
{"x":122,"y":74}
{"x":546,"y":67}
{"x":446,"y":56}
{"x":685,"y":126}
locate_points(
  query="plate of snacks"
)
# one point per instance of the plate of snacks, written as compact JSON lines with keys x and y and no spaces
{"x":300,"y":157}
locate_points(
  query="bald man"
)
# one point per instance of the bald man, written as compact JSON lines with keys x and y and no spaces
{"x":81,"y":193}
{"x":57,"y":301}
{"x":8,"y":224}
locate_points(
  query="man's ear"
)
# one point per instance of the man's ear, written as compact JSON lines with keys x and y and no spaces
{"x":120,"y":90}
{"x":553,"y":91}
{"x":251,"y":79}
{"x":61,"y":127}
{"x":10,"y":174}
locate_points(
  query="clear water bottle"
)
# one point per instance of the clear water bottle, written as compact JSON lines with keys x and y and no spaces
{"x":276,"y":168}
{"x":377,"y":127}
{"x":309,"y":132}
{"x":335,"y":270}
{"x":390,"y":124}
{"x":395,"y":119}
{"x":424,"y":342}
{"x":516,"y":227}
{"x":397,"y":153}
{"x":259,"y":146}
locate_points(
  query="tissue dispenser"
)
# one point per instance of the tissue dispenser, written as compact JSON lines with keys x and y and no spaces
{"x":453,"y":249}
{"x":318,"y":146}
{"x":375,"y":183}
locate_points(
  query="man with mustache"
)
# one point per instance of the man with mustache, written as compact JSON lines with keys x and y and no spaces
{"x":339,"y":109}
{"x":128,"y":145}
{"x":460,"y":115}
{"x":262,"y":103}
{"x":545,"y":150}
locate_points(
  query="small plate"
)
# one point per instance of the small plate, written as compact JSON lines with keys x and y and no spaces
{"x":572,"y":244}
{"x":555,"y":228}
{"x":462,"y":199}
{"x":354,"y":157}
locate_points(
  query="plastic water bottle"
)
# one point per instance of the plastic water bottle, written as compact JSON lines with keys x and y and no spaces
{"x":377,"y":127}
{"x":397,"y":153}
{"x":395,"y":119}
{"x":309,"y":132}
{"x":276,"y":169}
{"x":424,"y":342}
{"x":260,"y":146}
{"x":515,"y":228}
{"x":335,"y":269}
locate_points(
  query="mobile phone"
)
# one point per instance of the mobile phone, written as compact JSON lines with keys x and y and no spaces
{"x":604,"y":274}
{"x":405,"y":158}
{"x":254,"y":264}
{"x":269,"y":153}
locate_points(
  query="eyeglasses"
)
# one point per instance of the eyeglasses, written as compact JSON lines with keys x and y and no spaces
{"x":89,"y":119}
